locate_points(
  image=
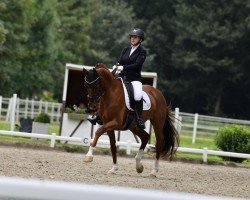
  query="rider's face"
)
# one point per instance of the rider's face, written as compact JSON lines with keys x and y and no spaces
{"x":134,"y":40}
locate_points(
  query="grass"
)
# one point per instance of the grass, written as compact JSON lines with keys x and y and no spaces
{"x":185,"y":141}
{"x":53,"y":128}
{"x":200,"y":143}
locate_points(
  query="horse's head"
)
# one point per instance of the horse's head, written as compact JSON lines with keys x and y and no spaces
{"x":94,"y":88}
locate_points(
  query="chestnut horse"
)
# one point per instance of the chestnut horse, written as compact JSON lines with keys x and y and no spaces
{"x":106,"y":95}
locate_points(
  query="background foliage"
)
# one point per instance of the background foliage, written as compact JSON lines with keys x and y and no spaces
{"x":234,"y":139}
{"x":200,"y":50}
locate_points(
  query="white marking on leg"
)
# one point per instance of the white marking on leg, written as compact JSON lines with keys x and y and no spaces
{"x":138,"y":157}
{"x":156,"y":165}
{"x":155,"y":169}
{"x":114,"y":169}
{"x":91,"y":151}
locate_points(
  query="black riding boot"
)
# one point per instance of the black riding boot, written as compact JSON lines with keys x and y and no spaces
{"x":95,"y":120}
{"x":138,"y":111}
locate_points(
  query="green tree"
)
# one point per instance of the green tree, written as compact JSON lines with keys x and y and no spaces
{"x":208,"y":56}
{"x":29,"y":52}
{"x":39,"y":66}
{"x":16,"y":18}
{"x":156,"y":19}
{"x":2,"y":29}
{"x":110,"y":24}
{"x":94,"y":31}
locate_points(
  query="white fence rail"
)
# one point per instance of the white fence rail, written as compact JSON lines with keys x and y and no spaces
{"x":129,"y":145}
{"x":28,"y":108}
{"x":186,"y":123}
{"x":202,"y":125}
{"x":20,"y":188}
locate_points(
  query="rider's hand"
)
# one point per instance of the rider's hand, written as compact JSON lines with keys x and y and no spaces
{"x":119,"y":68}
{"x":114,"y":67}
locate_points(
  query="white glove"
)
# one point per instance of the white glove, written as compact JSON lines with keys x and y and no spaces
{"x":114,"y":67}
{"x":119,"y":68}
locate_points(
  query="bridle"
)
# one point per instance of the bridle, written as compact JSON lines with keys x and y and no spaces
{"x":95,"y":84}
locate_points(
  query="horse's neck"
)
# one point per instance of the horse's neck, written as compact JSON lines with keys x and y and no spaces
{"x":112,"y":88}
{"x":109,"y":83}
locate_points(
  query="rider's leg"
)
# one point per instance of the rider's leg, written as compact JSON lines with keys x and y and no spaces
{"x":137,"y":85}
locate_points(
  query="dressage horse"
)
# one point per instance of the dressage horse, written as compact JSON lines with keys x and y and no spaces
{"x":106,"y":96}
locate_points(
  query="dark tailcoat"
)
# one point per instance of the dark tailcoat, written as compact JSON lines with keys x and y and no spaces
{"x":132,"y":65}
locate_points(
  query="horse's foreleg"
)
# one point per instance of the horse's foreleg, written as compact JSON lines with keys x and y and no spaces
{"x":105,"y":128}
{"x":138,"y":157}
{"x":89,"y":156}
{"x":112,"y":140}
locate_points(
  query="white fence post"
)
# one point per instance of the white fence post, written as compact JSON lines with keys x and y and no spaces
{"x":129,"y":144}
{"x":40,"y":106}
{"x":46,"y":107}
{"x":179,"y":125}
{"x":17,"y":108}
{"x":176,"y":117}
{"x":9,"y":109}
{"x":52,"y":113}
{"x":32,"y":108}
{"x":53,"y":140}
{"x":204,"y":155}
{"x":13,"y":110}
{"x":195,"y":127}
{"x":26,"y":107}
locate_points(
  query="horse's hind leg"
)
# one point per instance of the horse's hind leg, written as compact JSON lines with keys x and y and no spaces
{"x":112,"y":140}
{"x":144,"y":136}
{"x":158,"y":128}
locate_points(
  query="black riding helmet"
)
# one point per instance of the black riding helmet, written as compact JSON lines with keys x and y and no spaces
{"x":137,"y":32}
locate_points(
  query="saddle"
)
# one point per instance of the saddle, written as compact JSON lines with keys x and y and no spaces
{"x":131,"y":104}
{"x":131,"y":113}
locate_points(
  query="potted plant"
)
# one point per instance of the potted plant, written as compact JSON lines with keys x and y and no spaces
{"x":76,"y":114}
{"x":41,"y":124}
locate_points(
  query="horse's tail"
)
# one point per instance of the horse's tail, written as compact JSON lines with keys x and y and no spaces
{"x":171,"y":136}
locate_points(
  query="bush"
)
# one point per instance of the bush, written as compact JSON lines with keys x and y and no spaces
{"x":233,"y":139}
{"x":42,"y":118}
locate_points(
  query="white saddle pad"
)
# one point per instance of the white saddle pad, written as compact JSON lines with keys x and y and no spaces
{"x":146,"y":100}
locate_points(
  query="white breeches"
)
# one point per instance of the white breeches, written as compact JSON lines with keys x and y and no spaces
{"x":137,"y":85}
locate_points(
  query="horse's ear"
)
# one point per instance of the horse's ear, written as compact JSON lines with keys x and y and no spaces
{"x":100,"y":65}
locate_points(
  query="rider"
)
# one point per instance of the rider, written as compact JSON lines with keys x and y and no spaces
{"x":130,"y":65}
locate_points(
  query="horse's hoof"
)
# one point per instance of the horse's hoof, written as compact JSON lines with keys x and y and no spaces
{"x":88,"y":159}
{"x":139,"y":169}
{"x":153,"y":173}
{"x":111,"y":172}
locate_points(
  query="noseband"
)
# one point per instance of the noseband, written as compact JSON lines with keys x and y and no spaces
{"x":94,"y":85}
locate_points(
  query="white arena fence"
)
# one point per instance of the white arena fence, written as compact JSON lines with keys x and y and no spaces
{"x":202,"y":125}
{"x":128,"y":145}
{"x":193,"y":125}
{"x":19,"y":188}
{"x":29,"y":108}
